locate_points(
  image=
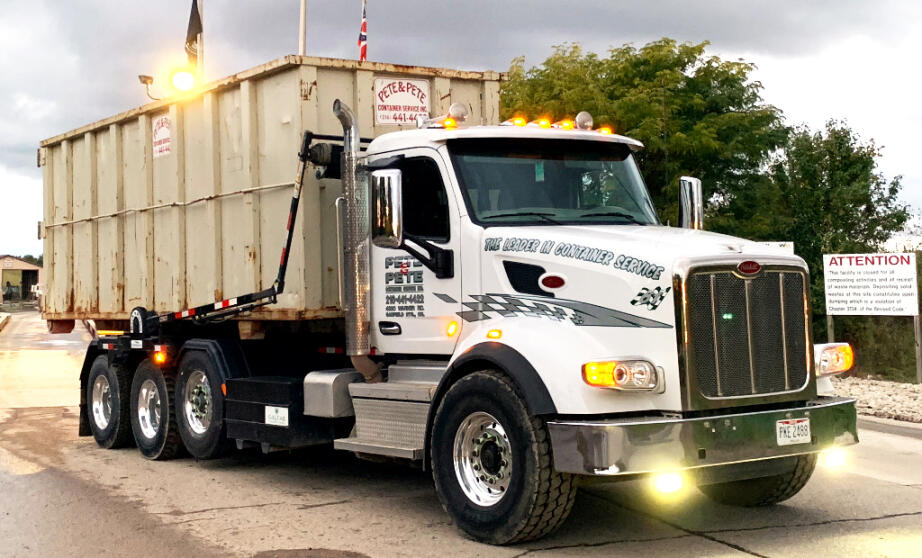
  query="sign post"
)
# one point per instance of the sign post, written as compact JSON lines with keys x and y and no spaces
{"x":873,"y":285}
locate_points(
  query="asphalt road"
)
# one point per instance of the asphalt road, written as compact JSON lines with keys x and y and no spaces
{"x":61,"y":495}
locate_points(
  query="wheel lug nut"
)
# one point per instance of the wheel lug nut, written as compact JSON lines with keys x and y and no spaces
{"x":499,"y":475}
{"x":491,"y":481}
{"x":503,"y":464}
{"x":475,"y":453}
{"x":476,"y":467}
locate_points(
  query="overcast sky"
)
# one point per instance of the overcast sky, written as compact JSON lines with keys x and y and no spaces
{"x":64,"y":64}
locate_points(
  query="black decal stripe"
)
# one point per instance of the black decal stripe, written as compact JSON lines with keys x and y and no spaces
{"x":583,"y":313}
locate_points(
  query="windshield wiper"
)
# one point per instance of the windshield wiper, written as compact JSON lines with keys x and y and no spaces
{"x":621,"y":214}
{"x":544,"y":216}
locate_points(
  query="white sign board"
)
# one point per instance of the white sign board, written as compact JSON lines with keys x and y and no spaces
{"x":400,"y":101}
{"x":871,"y":284}
{"x":160,"y":130}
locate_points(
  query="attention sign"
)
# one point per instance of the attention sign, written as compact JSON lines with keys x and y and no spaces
{"x":400,"y":101}
{"x":871,"y":284}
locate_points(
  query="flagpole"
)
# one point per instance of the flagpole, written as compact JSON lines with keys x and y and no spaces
{"x":201,"y":43}
{"x":302,"y":30}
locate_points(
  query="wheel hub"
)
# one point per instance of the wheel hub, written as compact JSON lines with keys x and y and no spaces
{"x":198,"y":406}
{"x":149,"y":409}
{"x":482,"y":459}
{"x":101,"y":402}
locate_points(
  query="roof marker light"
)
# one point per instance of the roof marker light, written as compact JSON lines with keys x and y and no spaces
{"x":565,"y":124}
{"x":515,"y":121}
{"x":605,"y":130}
{"x":583,"y":121}
{"x":449,"y":123}
{"x":543,"y":122}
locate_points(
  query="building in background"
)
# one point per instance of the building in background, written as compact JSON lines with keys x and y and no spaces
{"x":17,"y":278}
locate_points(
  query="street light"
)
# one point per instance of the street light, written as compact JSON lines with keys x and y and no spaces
{"x":183,"y":80}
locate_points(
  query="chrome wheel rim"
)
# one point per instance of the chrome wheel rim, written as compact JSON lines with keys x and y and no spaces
{"x":101,"y":402}
{"x":482,"y":459}
{"x":198,"y":404}
{"x":149,"y":409}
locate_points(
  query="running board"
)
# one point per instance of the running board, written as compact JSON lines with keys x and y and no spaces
{"x":375,"y":447}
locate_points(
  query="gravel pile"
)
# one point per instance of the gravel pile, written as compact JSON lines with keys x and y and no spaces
{"x":892,"y":400}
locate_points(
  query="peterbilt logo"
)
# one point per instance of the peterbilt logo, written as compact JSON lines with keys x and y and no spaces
{"x":749,"y":267}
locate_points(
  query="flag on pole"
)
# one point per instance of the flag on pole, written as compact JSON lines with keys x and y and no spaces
{"x":363,"y":37}
{"x":192,"y":34}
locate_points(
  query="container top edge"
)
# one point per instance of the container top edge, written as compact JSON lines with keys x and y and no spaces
{"x":271,"y":67}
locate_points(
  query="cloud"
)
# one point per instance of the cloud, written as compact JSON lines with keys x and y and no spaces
{"x":65,"y":64}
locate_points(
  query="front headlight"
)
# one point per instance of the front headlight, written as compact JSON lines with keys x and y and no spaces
{"x":628,"y":374}
{"x":832,"y":358}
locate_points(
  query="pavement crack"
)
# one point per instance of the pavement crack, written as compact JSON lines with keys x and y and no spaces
{"x":676,"y":526}
{"x":597,"y":544}
{"x":818,"y":523}
{"x":312,"y":506}
{"x":180,"y":513}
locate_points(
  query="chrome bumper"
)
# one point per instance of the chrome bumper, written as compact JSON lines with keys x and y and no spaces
{"x":643,"y":445}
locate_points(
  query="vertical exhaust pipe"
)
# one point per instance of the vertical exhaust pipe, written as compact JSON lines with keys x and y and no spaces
{"x":355,"y":274}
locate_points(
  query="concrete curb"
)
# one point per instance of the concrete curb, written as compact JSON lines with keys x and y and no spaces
{"x":4,"y":319}
{"x":890,"y":426}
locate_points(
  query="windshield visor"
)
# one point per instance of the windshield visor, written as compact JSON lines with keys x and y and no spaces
{"x":547,"y":182}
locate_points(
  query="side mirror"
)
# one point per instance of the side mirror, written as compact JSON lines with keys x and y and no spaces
{"x":387,"y":208}
{"x":691,"y":203}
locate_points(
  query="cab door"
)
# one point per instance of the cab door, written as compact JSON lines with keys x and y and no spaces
{"x":414,"y":311}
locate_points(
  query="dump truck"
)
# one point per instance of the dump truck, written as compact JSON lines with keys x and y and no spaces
{"x":495,"y":302}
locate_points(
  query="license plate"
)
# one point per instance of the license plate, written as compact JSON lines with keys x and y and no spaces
{"x":792,"y":431}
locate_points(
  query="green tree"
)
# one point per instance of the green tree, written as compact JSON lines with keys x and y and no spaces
{"x":829,"y":199}
{"x":696,"y":114}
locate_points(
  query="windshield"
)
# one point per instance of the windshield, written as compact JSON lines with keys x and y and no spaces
{"x":550,"y":182}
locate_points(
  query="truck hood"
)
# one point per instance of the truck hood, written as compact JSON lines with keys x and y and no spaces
{"x":627,"y":269}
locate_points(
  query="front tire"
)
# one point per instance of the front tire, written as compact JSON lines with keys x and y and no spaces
{"x":200,"y":406}
{"x":492,"y":466}
{"x":153,"y":417}
{"x":107,"y":394}
{"x":764,"y":491}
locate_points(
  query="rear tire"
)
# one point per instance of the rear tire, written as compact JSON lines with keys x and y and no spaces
{"x":200,"y":406}
{"x":153,"y":416}
{"x":764,"y":491}
{"x":492,"y":466}
{"x":108,"y":390}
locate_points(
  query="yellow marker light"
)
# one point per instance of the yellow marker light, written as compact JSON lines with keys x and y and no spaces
{"x":183,"y":80}
{"x":600,"y":374}
{"x":450,"y":123}
{"x":667,"y":483}
{"x":566,"y":124}
{"x":833,"y":458}
{"x":159,"y":357}
{"x":495,"y":333}
{"x":451,"y":329}
{"x":544,"y":123}
{"x":519,"y":121}
{"x":109,"y":332}
{"x":605,"y":130}
{"x":833,"y":358}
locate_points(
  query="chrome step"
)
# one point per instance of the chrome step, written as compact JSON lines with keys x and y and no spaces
{"x":375,"y":447}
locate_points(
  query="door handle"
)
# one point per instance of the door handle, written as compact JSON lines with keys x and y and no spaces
{"x":389,"y":328}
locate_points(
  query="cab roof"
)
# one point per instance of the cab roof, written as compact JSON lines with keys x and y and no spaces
{"x":435,"y":137}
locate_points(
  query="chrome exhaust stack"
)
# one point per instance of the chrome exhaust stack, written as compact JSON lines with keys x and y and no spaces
{"x":355,"y":275}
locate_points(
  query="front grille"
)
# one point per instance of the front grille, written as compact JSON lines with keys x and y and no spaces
{"x":747,"y":336}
